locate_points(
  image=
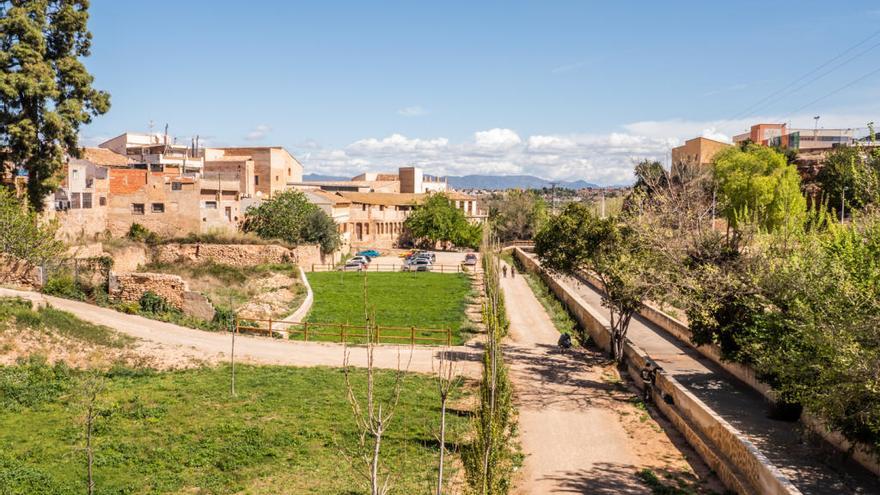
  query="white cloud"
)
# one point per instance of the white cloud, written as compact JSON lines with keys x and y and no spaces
{"x":258,"y":133}
{"x":413,"y":111}
{"x":397,"y":143}
{"x":497,"y":138}
{"x":603,"y":158}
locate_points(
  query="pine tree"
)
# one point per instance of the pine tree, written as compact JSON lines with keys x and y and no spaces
{"x":46,"y":92}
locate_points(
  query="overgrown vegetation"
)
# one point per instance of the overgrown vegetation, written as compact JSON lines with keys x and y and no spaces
{"x":182,"y":432}
{"x":425,"y":300}
{"x":491,"y":459}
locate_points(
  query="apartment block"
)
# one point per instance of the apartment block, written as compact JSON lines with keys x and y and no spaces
{"x":155,"y":152}
{"x":274,"y":167}
{"x":802,"y":139}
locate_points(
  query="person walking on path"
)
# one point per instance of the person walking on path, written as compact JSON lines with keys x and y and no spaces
{"x":504,"y":270}
{"x":512,"y":271}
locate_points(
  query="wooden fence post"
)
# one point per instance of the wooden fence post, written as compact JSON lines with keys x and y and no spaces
{"x":270,"y":326}
{"x":412,"y":335}
{"x":306,"y":330}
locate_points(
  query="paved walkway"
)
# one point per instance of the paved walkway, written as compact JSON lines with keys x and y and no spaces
{"x":579,"y":430}
{"x":214,"y":347}
{"x":813,"y":469}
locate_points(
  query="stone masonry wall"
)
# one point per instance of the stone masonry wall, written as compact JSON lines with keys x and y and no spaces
{"x":131,"y":286}
{"x":237,"y":254}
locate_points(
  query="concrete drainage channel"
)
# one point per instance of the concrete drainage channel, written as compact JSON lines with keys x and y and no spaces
{"x":739,"y":464}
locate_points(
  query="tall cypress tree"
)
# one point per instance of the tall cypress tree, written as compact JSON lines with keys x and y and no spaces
{"x":46,"y":93}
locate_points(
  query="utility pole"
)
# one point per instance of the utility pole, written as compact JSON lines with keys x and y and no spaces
{"x":816,"y":131}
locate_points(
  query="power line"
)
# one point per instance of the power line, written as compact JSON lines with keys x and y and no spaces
{"x":808,"y":74}
{"x":834,"y":92}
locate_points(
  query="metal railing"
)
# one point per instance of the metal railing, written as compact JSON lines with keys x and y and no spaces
{"x":344,"y":332}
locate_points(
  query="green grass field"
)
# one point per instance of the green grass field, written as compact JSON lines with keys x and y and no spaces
{"x":182,"y":432}
{"x":16,"y":314}
{"x":426,"y":300}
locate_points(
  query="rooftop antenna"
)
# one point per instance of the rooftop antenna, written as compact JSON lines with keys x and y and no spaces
{"x":166,"y":134}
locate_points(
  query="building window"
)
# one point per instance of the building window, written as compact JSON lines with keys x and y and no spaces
{"x":137,"y":208}
{"x":381,"y":207}
{"x":86,"y":200}
{"x":74,"y":174}
{"x":155,"y":167}
{"x":256,"y":180}
{"x":176,"y":186}
{"x":90,"y":183}
{"x":74,"y":201}
{"x":288,"y":172}
{"x":157,"y":208}
{"x":102,"y":201}
{"x":211,"y":205}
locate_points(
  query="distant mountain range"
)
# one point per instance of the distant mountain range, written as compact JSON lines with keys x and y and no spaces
{"x":512,"y":182}
{"x":487,"y":181}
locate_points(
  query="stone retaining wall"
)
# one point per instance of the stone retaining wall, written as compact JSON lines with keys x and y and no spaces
{"x":131,"y":286}
{"x":739,"y":464}
{"x":238,"y":254}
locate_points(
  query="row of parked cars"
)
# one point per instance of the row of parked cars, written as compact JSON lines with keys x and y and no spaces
{"x":419,"y":261}
{"x":413,"y":261}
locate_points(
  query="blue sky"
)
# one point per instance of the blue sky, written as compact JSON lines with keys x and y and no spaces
{"x":566,"y":90}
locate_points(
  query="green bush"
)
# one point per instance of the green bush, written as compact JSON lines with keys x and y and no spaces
{"x":64,"y":285}
{"x":138,"y":232}
{"x":150,"y":302}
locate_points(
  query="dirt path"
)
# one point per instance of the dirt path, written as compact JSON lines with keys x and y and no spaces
{"x":579,"y":427}
{"x":185,"y":345}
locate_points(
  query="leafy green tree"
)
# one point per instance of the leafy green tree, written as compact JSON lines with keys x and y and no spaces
{"x":852,"y":174}
{"x":438,"y":220}
{"x":517,"y":214}
{"x":46,"y":92}
{"x":757,"y":185}
{"x":320,"y":228}
{"x":23,"y":235}
{"x":291,"y":218}
{"x":576,"y":239}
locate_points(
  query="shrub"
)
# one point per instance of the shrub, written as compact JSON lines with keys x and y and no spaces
{"x":138,"y":232}
{"x":64,"y":285}
{"x":150,"y":302}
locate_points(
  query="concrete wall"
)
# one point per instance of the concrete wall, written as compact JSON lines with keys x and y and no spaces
{"x":737,"y":461}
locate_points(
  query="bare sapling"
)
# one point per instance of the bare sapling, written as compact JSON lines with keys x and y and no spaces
{"x":374,"y":414}
{"x":90,"y":389}
{"x":446,"y":382}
